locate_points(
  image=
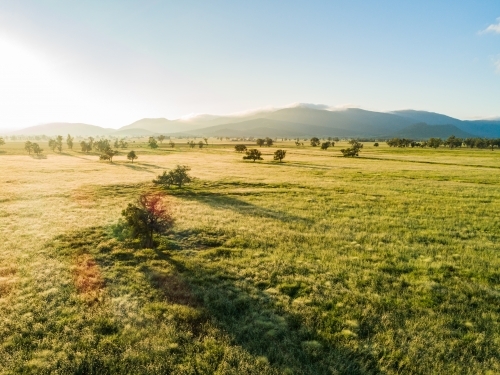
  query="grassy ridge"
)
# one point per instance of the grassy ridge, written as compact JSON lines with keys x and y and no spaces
{"x":315,"y":265}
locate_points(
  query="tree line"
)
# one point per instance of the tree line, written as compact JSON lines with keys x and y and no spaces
{"x":451,"y":142}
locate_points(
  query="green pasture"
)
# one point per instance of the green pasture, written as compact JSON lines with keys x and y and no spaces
{"x":383,"y":264}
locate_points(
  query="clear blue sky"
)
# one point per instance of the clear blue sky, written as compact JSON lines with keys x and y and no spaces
{"x":110,"y":63}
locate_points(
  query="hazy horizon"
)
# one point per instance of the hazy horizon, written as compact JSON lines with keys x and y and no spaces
{"x":112,"y":64}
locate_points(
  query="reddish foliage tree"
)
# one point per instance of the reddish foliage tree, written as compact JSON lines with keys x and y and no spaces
{"x":150,"y":215}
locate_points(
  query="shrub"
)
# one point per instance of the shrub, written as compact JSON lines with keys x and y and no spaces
{"x":325,"y":145}
{"x":177,"y":176}
{"x":149,"y":215}
{"x":253,"y":154}
{"x":152,"y":143}
{"x":352,"y":151}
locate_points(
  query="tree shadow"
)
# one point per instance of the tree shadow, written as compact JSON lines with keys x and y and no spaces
{"x":41,"y":156}
{"x":228,"y":202}
{"x":135,"y":167}
{"x":253,"y":319}
{"x":138,"y":166}
{"x":75,"y":155}
{"x":309,"y":166}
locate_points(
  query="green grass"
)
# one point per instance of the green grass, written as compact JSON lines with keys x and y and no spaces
{"x":383,"y":264}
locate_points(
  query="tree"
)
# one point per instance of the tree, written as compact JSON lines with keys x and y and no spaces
{"x":69,"y":141}
{"x":253,"y":154}
{"x":86,"y":147}
{"x":102,"y":145}
{"x":325,"y":145}
{"x":123,"y":144}
{"x":240,"y":148}
{"x":201,"y":144}
{"x":493,"y":142}
{"x":28,"y":146}
{"x":206,"y":141}
{"x":59,"y":142}
{"x":260,"y":142}
{"x":269,"y":142}
{"x":161,"y":138}
{"x":131,"y":156}
{"x":108,"y":155}
{"x":52,"y":144}
{"x":375,"y":144}
{"x":2,"y":142}
{"x":434,"y":142}
{"x":36,"y":149}
{"x":469,"y":142}
{"x":453,"y":142}
{"x":171,"y":144}
{"x":148,"y":216}
{"x":279,"y":155}
{"x":152,"y":143}
{"x":315,"y":141}
{"x":353,"y":150}
{"x":178,"y":176}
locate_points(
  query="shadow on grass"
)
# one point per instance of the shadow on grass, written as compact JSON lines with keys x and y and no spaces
{"x":77,"y":155}
{"x":210,"y":296}
{"x":252,"y":318}
{"x":309,"y":166}
{"x":135,"y":167}
{"x":228,"y":202}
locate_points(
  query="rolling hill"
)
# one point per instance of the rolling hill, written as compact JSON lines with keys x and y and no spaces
{"x":63,"y":128}
{"x":297,"y":121}
{"x":264,"y":127}
{"x":160,"y":125}
{"x":425,"y":131}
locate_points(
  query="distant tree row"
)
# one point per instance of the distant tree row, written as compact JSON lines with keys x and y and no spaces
{"x":451,"y":142}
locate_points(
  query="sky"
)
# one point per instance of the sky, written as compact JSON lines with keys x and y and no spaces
{"x":110,"y":62}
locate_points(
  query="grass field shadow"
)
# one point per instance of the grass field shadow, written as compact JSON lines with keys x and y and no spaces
{"x":228,"y":202}
{"x":250,"y":316}
{"x":42,"y":156}
{"x":256,"y":322}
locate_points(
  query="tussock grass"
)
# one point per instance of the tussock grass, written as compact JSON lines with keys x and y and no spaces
{"x":316,"y":265}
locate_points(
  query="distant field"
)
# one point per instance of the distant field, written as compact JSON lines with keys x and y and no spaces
{"x":383,"y":264}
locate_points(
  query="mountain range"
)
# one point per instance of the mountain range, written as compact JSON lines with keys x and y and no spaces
{"x":291,"y":122}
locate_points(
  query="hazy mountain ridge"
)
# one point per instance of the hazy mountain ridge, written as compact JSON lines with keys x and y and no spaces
{"x":63,"y":128}
{"x":297,"y":121}
{"x":425,"y":131}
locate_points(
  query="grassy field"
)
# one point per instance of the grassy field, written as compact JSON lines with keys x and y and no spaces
{"x":383,"y":264}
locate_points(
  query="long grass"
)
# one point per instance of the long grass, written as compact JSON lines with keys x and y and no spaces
{"x":383,"y":264}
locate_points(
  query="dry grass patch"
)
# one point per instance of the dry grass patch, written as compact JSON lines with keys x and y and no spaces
{"x":7,"y":280}
{"x":88,"y":279}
